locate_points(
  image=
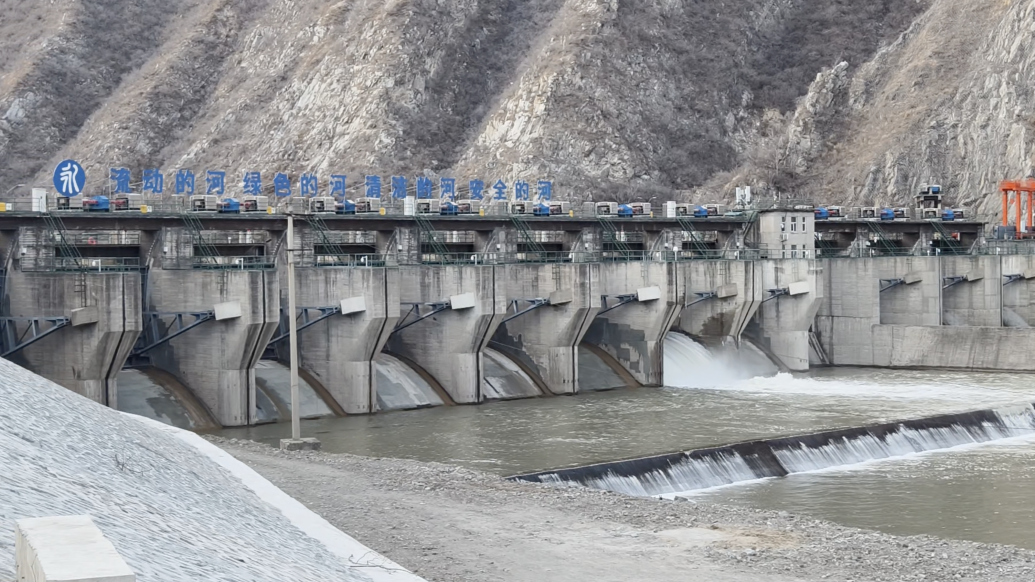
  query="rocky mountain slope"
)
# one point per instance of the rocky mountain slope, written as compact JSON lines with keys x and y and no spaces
{"x":952,"y":100}
{"x":607,"y":97}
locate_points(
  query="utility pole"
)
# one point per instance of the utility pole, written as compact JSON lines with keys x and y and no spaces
{"x":296,"y":442}
{"x":296,"y":430}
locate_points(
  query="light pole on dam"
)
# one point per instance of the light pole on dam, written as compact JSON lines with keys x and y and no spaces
{"x":296,"y":442}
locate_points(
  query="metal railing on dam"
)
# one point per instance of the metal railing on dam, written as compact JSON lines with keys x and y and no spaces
{"x":606,"y":256}
{"x":248,"y":263}
{"x":80,"y":264}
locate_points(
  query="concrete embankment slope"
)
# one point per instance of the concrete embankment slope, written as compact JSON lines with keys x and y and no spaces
{"x":175,"y":507}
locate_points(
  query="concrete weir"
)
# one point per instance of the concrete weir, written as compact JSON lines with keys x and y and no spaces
{"x":461,"y":306}
{"x":217,"y":359}
{"x":339,"y":351}
{"x":105,"y":317}
{"x":682,"y":472}
{"x":545,"y":339}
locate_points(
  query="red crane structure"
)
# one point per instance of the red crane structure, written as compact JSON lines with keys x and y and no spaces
{"x":1016,"y":189}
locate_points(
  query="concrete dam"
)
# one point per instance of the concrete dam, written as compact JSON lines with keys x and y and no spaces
{"x":188,"y":309}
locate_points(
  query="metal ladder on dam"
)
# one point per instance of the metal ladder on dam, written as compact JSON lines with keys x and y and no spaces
{"x":33,"y":329}
{"x":697,"y":247}
{"x":885,"y":244}
{"x":320,"y":231}
{"x":952,"y":246}
{"x":68,"y":251}
{"x":427,"y":233}
{"x":612,"y":235}
{"x":161,"y":327}
{"x":205,"y":255}
{"x":526,"y":236}
{"x":17,"y":333}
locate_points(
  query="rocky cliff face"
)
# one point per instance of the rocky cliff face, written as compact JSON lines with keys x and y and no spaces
{"x":608,"y":97}
{"x":952,"y":100}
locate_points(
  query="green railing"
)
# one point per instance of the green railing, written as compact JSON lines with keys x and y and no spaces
{"x":213,"y":238}
{"x":526,"y":235}
{"x":612,"y":235}
{"x":885,"y":244}
{"x":81,"y":264}
{"x":430,"y":235}
{"x":367,"y":260}
{"x":195,"y":228}
{"x":952,"y":246}
{"x":61,"y":239}
{"x":249,"y":263}
{"x":107,"y":238}
{"x":609,"y":256}
{"x":1001,"y":247}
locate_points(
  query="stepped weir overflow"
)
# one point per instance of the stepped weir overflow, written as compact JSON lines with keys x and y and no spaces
{"x":667,"y":475}
{"x":407,"y":312}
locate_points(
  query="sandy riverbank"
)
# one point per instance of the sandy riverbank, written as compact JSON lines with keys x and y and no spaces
{"x":450,"y":524}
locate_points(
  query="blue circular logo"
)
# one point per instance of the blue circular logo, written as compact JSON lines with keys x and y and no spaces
{"x":69,"y":178}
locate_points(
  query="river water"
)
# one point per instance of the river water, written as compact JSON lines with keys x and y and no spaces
{"x":979,"y":493}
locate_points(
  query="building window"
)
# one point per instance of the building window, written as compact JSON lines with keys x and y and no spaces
{"x":794,"y":251}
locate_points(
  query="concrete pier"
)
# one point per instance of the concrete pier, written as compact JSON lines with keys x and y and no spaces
{"x":545,"y":340}
{"x":471,"y":300}
{"x":339,"y":351}
{"x":915,"y":293}
{"x":1018,"y":290}
{"x":793,"y":293}
{"x":972,"y":291}
{"x":634,"y":333}
{"x":721,"y":297}
{"x":851,"y":309}
{"x":85,"y":356}
{"x":217,"y":359}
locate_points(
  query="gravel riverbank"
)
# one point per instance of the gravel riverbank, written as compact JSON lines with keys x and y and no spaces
{"x":450,"y":524}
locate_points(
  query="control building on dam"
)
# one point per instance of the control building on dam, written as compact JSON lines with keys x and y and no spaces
{"x":409,"y":311}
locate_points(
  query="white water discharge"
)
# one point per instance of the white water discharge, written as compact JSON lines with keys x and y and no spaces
{"x":688,"y":364}
{"x":795,"y":455}
{"x":721,"y":469}
{"x":893,"y":388}
{"x":905,"y":441}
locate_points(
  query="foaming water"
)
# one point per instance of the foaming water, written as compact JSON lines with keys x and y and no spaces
{"x":980,"y":493}
{"x":689,"y":364}
{"x":745,"y":370}
{"x":890,"y":385}
{"x":712,"y":471}
{"x":676,"y":474}
{"x":977,"y":489}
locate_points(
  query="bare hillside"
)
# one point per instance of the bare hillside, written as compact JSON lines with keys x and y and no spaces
{"x":953,"y":100}
{"x":605,"y":96}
